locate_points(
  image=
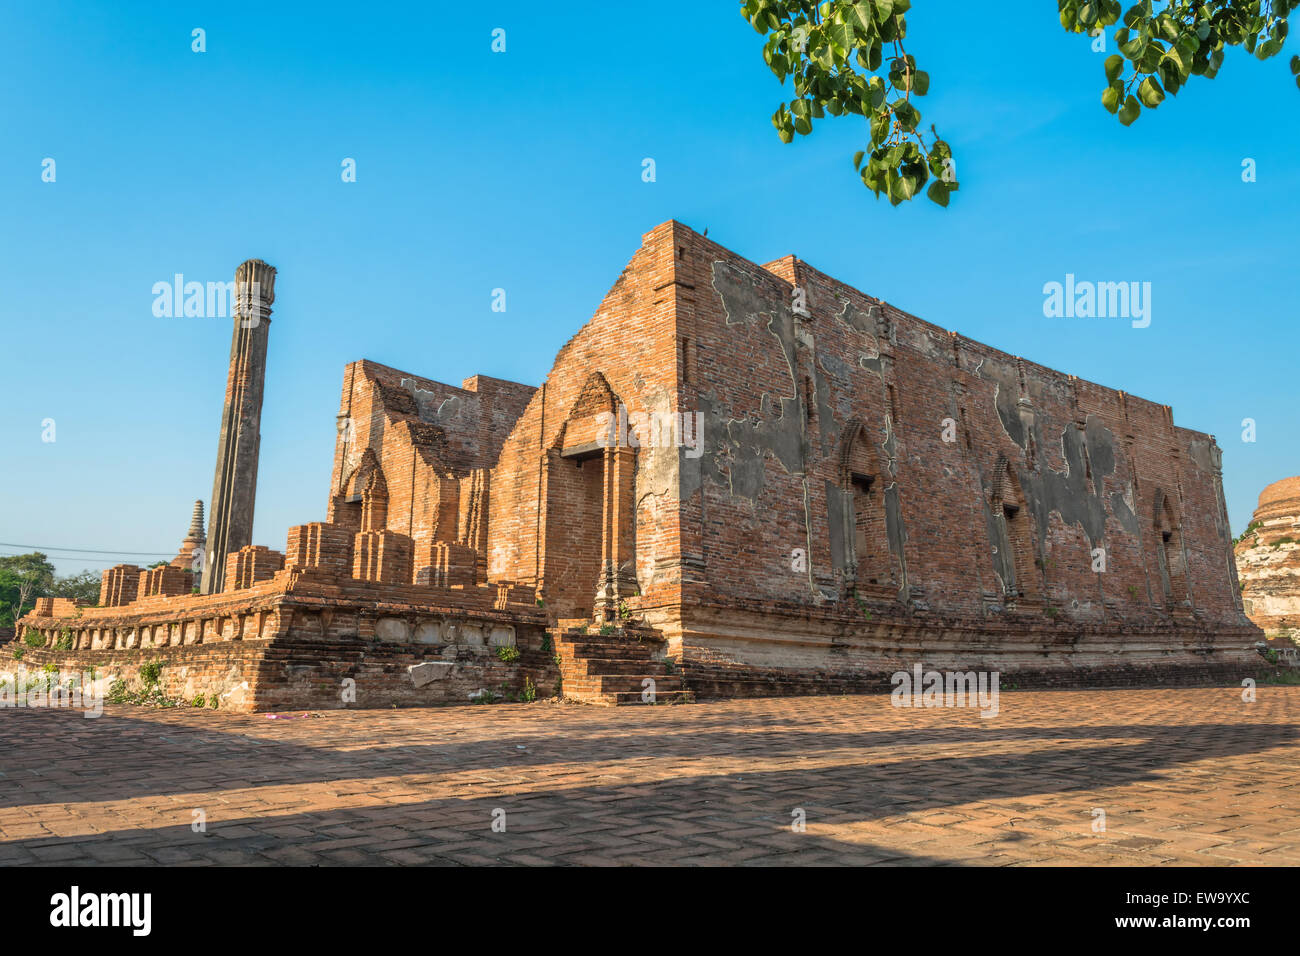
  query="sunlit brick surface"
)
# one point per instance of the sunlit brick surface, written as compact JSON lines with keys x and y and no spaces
{"x":1185,"y":776}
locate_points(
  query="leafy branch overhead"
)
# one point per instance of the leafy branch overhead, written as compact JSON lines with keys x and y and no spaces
{"x":849,"y":57}
{"x":1160,"y":49}
{"x":835,"y":52}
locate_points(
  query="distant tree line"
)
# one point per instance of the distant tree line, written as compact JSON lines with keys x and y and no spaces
{"x":26,"y":577}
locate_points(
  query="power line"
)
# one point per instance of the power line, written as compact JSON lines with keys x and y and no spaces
{"x":50,"y":547}
{"x":91,"y":564}
{"x":88,"y":561}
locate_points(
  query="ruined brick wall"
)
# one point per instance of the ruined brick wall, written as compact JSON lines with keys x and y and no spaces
{"x":291,"y":642}
{"x":869,"y":478}
{"x":251,"y":565}
{"x":426,"y":439}
{"x":119,"y":585}
{"x":868,"y":483}
{"x":227,"y":670}
{"x":167,"y":580}
{"x":1084,"y":466}
{"x":247,"y":676}
{"x":474,"y":419}
{"x":543,"y":525}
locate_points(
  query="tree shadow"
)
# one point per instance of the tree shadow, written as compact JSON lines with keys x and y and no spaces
{"x":652,"y":821}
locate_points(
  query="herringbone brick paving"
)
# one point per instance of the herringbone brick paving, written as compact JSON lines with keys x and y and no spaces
{"x":1184,"y":777}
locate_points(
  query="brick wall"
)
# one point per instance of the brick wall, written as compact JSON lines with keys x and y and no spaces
{"x":292,"y":641}
{"x":956,"y":430}
{"x":542,"y":527}
{"x":432,"y":443}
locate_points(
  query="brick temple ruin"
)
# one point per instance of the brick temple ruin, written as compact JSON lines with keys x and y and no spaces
{"x":737,"y":479}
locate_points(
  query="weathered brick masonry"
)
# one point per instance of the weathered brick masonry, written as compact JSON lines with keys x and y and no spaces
{"x":1268,"y":561}
{"x":736,"y":479}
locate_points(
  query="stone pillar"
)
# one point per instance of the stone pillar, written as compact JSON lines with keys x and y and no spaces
{"x":234,"y":485}
{"x":618,"y":538}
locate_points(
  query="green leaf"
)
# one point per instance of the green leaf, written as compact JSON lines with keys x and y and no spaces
{"x":1295,"y":65}
{"x":857,"y":158}
{"x":938,"y":192}
{"x":1130,"y":111}
{"x":1169,"y":73}
{"x":875,"y":56}
{"x":1114,"y":66}
{"x":939,"y":152}
{"x":1176,"y":58}
{"x":907,"y":114}
{"x":1110,"y":97}
{"x":1216,"y":61}
{"x":878,"y":91}
{"x":892,"y":188}
{"x":906,"y":186}
{"x":781,"y":120}
{"x":1269,"y":48}
{"x":1134,"y":48}
{"x":842,"y":35}
{"x":858,"y":17}
{"x":920,"y":82}
{"x":1151,"y":57}
{"x":1150,"y":93}
{"x":873,"y":175}
{"x":879,"y":127}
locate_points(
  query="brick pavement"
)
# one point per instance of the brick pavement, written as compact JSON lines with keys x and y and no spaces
{"x":1185,"y":776}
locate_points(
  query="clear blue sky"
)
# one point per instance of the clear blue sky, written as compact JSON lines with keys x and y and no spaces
{"x":522,"y":170}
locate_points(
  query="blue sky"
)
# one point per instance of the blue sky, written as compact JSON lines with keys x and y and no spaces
{"x":522,"y":171}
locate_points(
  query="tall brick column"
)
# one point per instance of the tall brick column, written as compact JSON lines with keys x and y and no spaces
{"x":234,"y":486}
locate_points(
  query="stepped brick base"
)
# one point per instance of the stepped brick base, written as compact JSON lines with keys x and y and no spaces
{"x":626,"y":665}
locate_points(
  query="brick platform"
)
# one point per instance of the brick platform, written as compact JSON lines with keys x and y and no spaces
{"x":1185,"y":776}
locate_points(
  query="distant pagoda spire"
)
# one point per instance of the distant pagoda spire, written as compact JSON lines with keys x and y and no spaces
{"x":195,"y":540}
